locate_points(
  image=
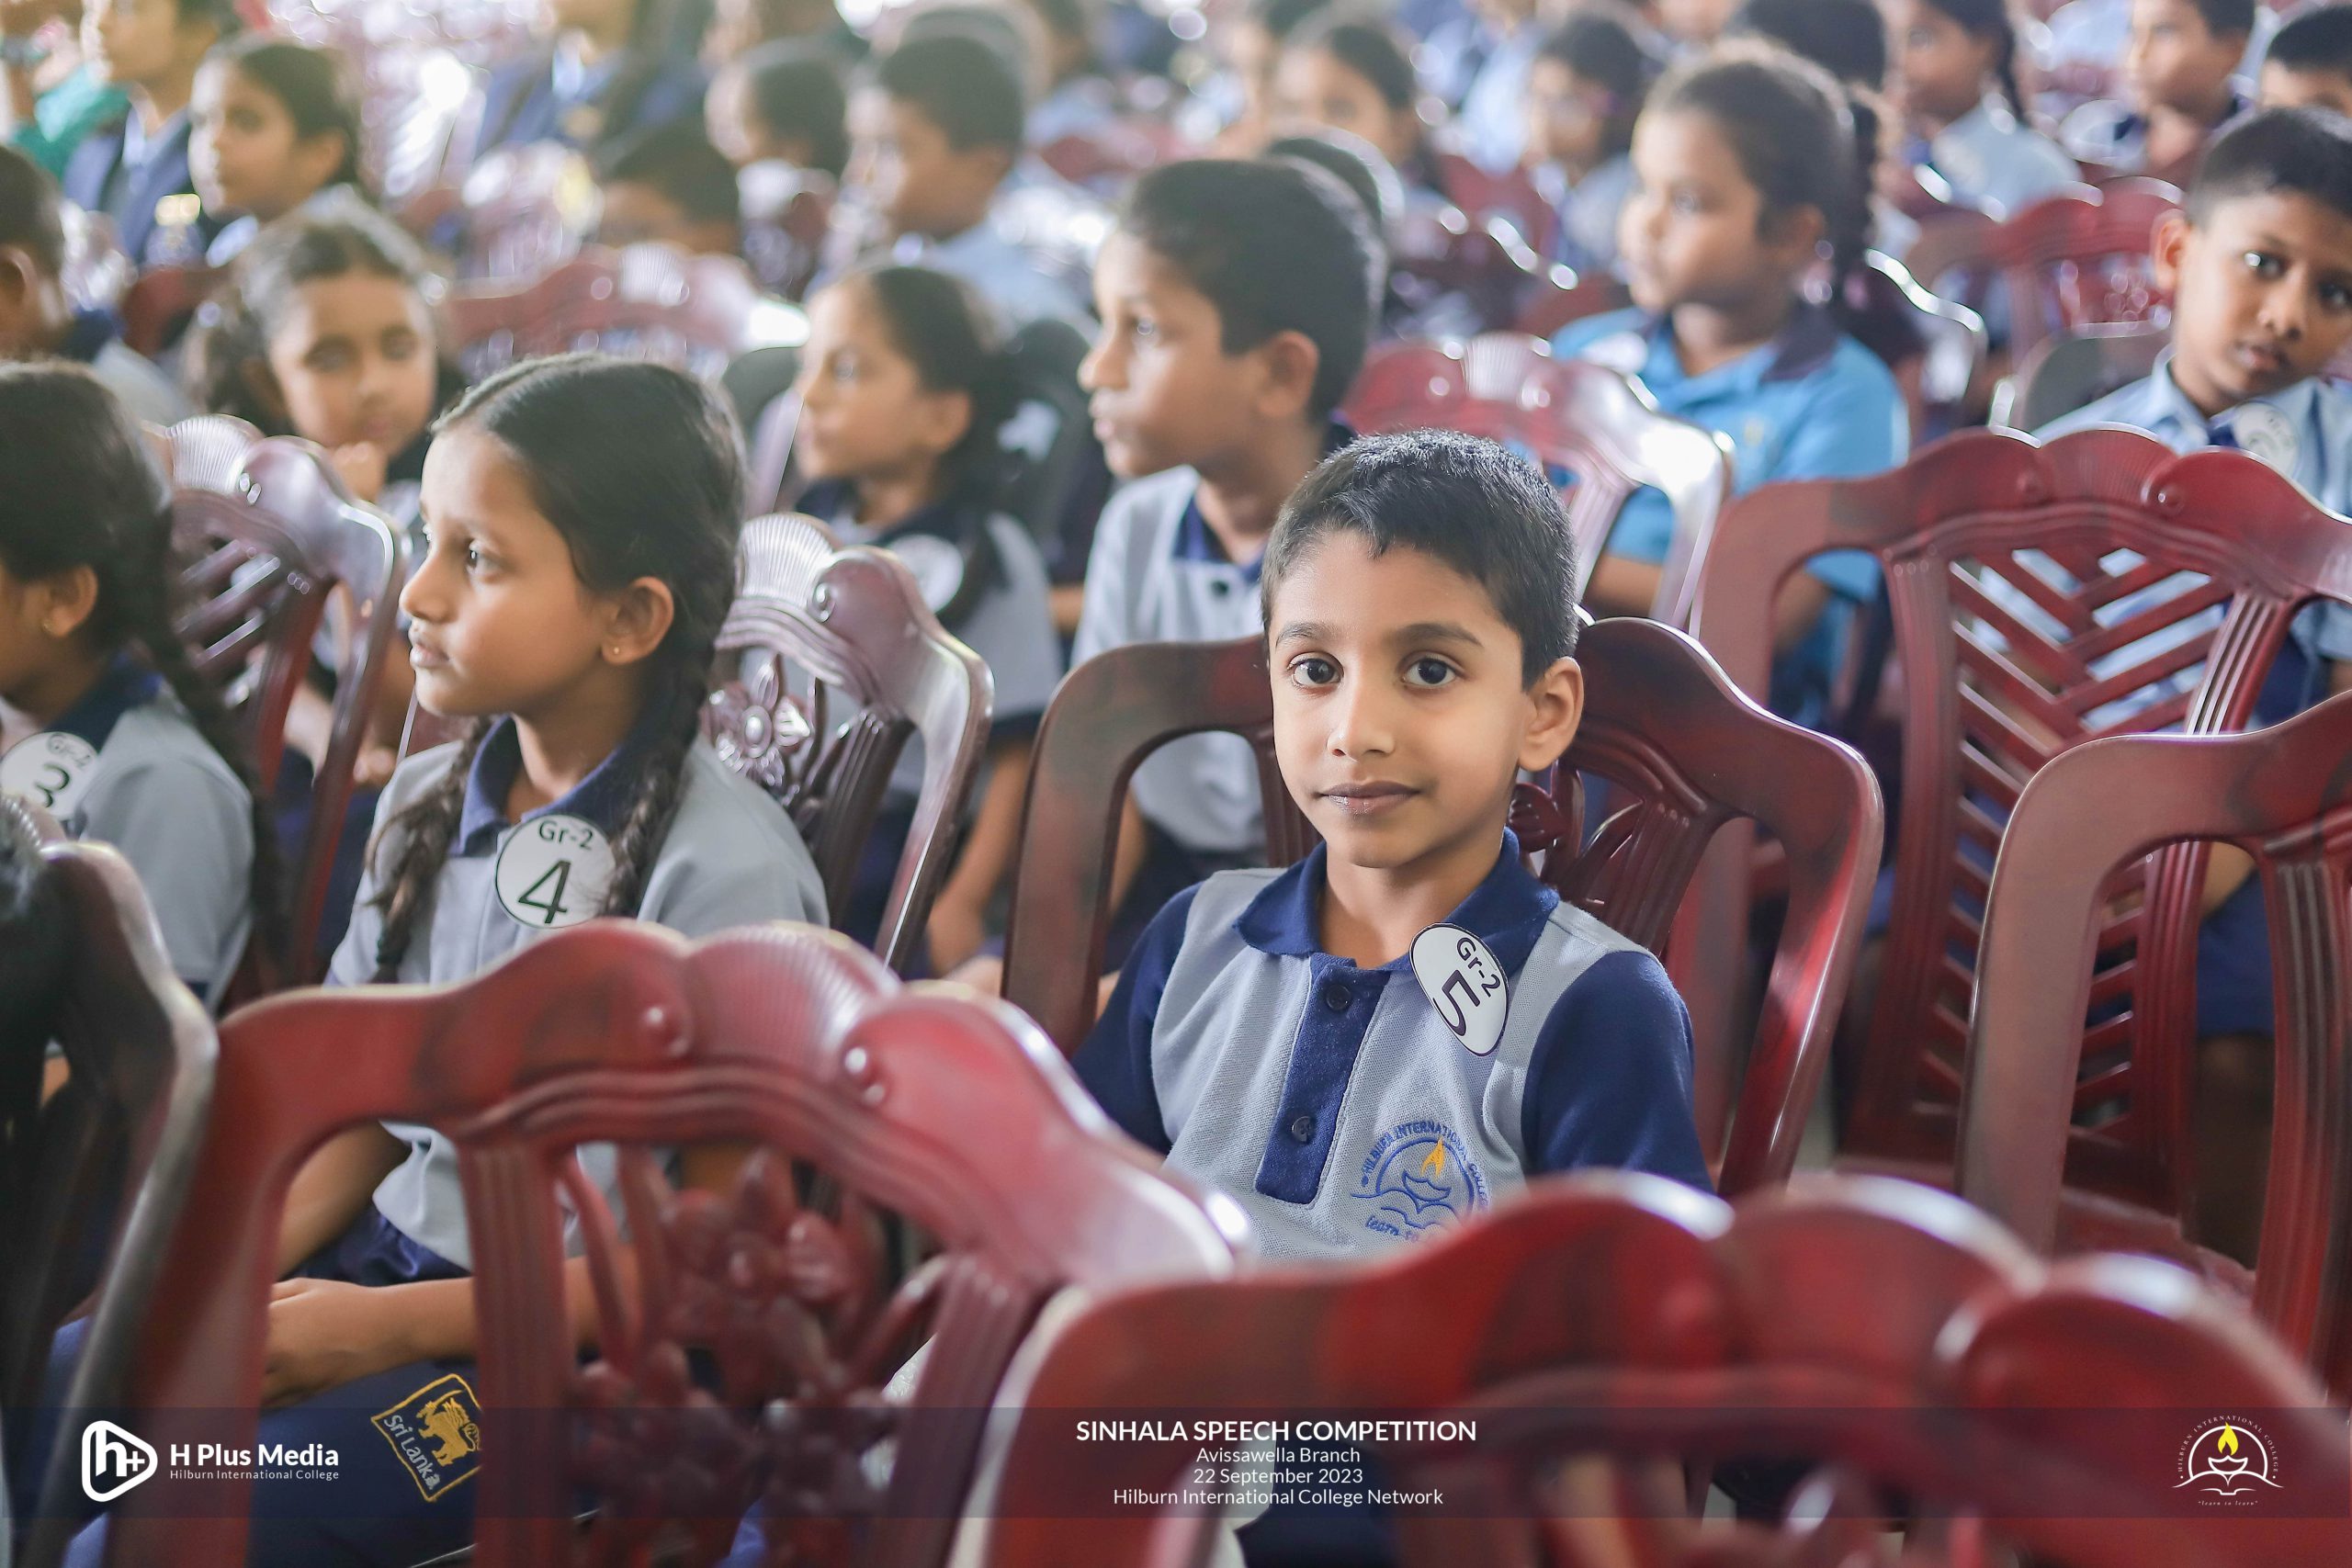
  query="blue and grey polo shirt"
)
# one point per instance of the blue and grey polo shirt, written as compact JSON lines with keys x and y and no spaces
{"x":1334,"y":1103}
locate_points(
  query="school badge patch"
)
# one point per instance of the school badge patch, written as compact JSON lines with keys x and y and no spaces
{"x":436,"y":1433}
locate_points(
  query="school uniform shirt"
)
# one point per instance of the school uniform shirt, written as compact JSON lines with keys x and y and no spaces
{"x":1586,"y":238}
{"x":1994,"y":161}
{"x":730,"y":858}
{"x":1158,"y":574}
{"x":1016,"y":284}
{"x":95,"y":339}
{"x":142,"y":183}
{"x":168,"y":801}
{"x":1811,"y":404}
{"x":555,"y":96}
{"x":1336,"y":1106}
{"x":2113,"y":134}
{"x":1493,"y":121}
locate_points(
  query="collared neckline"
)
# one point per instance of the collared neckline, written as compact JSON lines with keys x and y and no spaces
{"x":138,"y":147}
{"x":1802,"y":345}
{"x":2295,"y":403}
{"x":1197,"y":541}
{"x":124,"y":684}
{"x":1506,"y":912}
{"x":835,"y":503}
{"x":88,"y":337}
{"x":603,"y":797}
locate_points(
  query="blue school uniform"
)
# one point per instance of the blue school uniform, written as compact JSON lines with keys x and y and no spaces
{"x":1587,"y":237}
{"x":164,"y":798}
{"x":142,"y":181}
{"x":2305,"y":432}
{"x":1378,"y":1124}
{"x":554,"y":97}
{"x":1016,"y":283}
{"x":1493,"y":121}
{"x":2113,"y":134}
{"x":1811,"y":404}
{"x":1992,"y":159}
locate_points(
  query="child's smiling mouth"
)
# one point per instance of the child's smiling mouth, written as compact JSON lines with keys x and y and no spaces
{"x":1370,"y":799}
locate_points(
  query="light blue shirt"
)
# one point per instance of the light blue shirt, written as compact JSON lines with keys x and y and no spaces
{"x":2115,"y":134}
{"x":1493,"y":121}
{"x":1587,"y":240}
{"x":1992,"y":161}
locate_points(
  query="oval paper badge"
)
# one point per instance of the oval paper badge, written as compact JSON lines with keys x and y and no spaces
{"x":553,"y":871}
{"x":2269,"y":435}
{"x":53,"y":770}
{"x":1466,"y":985}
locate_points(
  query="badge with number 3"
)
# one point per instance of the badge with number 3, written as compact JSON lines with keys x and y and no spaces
{"x":1466,"y":985}
{"x":53,"y":770}
{"x":553,"y":871}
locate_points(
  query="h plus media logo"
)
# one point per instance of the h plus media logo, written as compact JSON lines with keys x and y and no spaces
{"x":113,"y":1460}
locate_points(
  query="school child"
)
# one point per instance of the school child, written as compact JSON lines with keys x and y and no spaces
{"x":1693,"y":27}
{"x":782,"y":103}
{"x":584,"y":513}
{"x":276,"y":124}
{"x":739,"y":26}
{"x":903,"y":391}
{"x":1492,"y":125}
{"x":1584,"y":92}
{"x":1845,"y":38}
{"x":1233,"y":111}
{"x":1956,"y":63}
{"x":37,"y":322}
{"x":136,"y":170}
{"x":1376,"y":1042}
{"x":1237,"y":299}
{"x":1344,"y":69}
{"x":1079,"y":96}
{"x":2179,"y":75}
{"x":610,"y":70}
{"x":50,"y":95}
{"x":2309,"y":62}
{"x":110,"y":730}
{"x":1746,"y":164}
{"x":2259,"y":269}
{"x":671,"y":187}
{"x":935,"y":137}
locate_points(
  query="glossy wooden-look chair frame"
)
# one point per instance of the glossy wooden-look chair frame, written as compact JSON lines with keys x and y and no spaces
{"x":161,"y":301}
{"x":853,"y":621}
{"x":2285,"y":795}
{"x":926,"y":1101}
{"x":141,"y":1053}
{"x":1602,"y":427}
{"x":1935,"y":378}
{"x":703,"y":304}
{"x":1607,"y":1322}
{"x":2265,"y":549}
{"x":267,"y":544}
{"x":2073,"y":369}
{"x":1687,"y":753}
{"x":2070,"y":229}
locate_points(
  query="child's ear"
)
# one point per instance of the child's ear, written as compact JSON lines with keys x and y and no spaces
{"x":1798,"y":231}
{"x":320,"y":155}
{"x":2166,"y":247}
{"x":637,"y":618}
{"x":940,"y":420}
{"x":1291,"y":361}
{"x":1556,"y":706}
{"x":65,"y":601}
{"x":20,"y":286}
{"x":261,"y":387}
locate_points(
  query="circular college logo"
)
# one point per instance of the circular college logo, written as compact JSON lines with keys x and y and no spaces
{"x":2228,"y":1458}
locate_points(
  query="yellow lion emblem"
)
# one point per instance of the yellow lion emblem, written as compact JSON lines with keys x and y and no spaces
{"x":454,"y":1437}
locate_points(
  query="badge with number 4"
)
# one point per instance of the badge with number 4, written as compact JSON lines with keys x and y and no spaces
{"x":553,"y":871}
{"x":53,"y":770}
{"x":1466,"y":985}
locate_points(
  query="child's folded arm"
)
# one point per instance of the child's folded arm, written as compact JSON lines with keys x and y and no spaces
{"x":1609,"y":1084}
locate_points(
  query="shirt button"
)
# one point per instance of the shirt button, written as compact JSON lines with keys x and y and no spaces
{"x":1337,"y":997}
{"x":1302,"y":1127}
{"x":1220,"y":587}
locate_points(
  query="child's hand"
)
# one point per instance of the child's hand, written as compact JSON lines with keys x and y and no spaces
{"x":326,"y":1333}
{"x":362,"y":466}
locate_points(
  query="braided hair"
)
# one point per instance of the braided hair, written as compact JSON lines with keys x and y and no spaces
{"x":82,"y":492}
{"x":1991,"y":20}
{"x":1801,"y":140}
{"x":639,"y":467}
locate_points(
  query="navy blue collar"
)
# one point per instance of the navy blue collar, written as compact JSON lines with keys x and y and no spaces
{"x":603,"y":797}
{"x":88,"y":337}
{"x":1197,"y":541}
{"x":1506,"y":912}
{"x":1803,"y":345}
{"x":835,"y":502}
{"x":124,"y":684}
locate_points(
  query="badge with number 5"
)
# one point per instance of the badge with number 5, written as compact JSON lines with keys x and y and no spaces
{"x":553,"y":871}
{"x":1466,"y":985}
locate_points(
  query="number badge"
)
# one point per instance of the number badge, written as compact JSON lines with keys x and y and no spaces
{"x":53,"y":770}
{"x":553,"y":871}
{"x":1463,"y":981}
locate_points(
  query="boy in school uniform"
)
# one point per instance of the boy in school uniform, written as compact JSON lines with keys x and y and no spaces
{"x":1372,"y":1044}
{"x":2309,"y":62}
{"x":135,"y":170}
{"x":935,"y":139}
{"x":2181,"y":75}
{"x":669,"y":185}
{"x":1237,"y":299}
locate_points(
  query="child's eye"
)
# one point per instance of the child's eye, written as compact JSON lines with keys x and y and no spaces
{"x":1313,"y":670}
{"x":1428,"y":672}
{"x":400,"y":345}
{"x":2335,"y":296}
{"x":328,"y":356}
{"x":2262,"y":264}
{"x":1145,"y":329}
{"x":1687,"y":204}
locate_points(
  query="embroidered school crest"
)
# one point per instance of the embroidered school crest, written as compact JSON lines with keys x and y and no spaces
{"x":1418,"y":1177}
{"x":436,"y":1433}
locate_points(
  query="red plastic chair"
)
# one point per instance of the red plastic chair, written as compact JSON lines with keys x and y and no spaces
{"x":648,"y":302}
{"x":160,"y":303}
{"x":2073,"y":369}
{"x":2285,"y":795}
{"x":1990,"y":700}
{"x":1511,"y":196}
{"x":267,"y":543}
{"x":1686,"y":753}
{"x":521,"y":211}
{"x":1441,"y":252}
{"x":139,"y":1051}
{"x":1935,"y":348}
{"x":1597,"y":433}
{"x":927,"y":1103}
{"x":1593,"y":1331}
{"x":832,"y":662}
{"x":1559,"y":296}
{"x":2071,"y":259}
{"x":787,"y":213}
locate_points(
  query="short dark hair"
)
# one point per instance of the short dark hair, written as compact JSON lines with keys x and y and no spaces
{"x":1281,"y":17}
{"x":1484,"y":511}
{"x":2319,"y":38}
{"x":968,"y":90}
{"x":2225,"y":16}
{"x":1604,"y":50}
{"x":1845,"y":38}
{"x":678,"y":160}
{"x":1362,"y":39}
{"x":313,"y":86}
{"x":795,"y":88}
{"x":31,"y":217}
{"x":1276,"y":247}
{"x":2307,"y":152}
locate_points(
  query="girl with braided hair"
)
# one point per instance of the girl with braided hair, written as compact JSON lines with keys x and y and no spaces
{"x":582,"y":514}
{"x":113,"y":732}
{"x":1956,"y":78}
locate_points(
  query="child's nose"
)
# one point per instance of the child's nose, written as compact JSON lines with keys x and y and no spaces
{"x":1093,"y":370}
{"x":2285,"y":309}
{"x":421,"y":597}
{"x":1360,"y":723}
